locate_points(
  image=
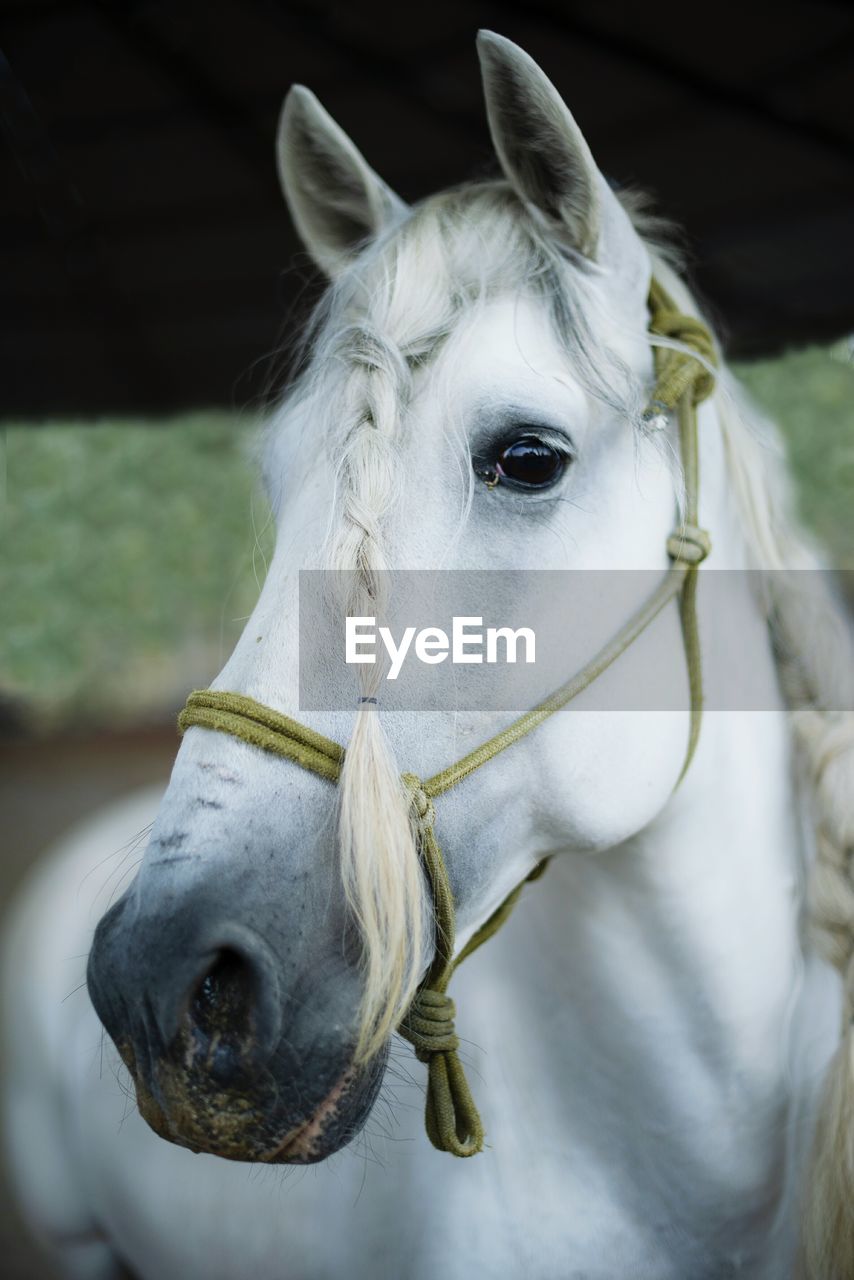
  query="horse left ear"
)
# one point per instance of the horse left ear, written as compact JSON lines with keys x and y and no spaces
{"x":337,"y":202}
{"x":548,"y":163}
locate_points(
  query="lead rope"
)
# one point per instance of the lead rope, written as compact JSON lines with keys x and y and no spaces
{"x":451,"y":1117}
{"x":452,"y":1120}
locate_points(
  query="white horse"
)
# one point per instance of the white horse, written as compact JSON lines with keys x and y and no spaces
{"x":647,"y":1037}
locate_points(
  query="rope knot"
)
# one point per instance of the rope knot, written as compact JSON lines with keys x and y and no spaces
{"x":452,"y":1119}
{"x":689,"y":545}
{"x":420,"y":804}
{"x":429,"y":1024}
{"x":679,"y":371}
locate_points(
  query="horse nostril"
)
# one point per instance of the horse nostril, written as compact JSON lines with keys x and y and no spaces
{"x":224,"y":993}
{"x":222,"y":1017}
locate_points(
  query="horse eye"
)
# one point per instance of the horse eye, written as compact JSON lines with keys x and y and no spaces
{"x":530,"y":463}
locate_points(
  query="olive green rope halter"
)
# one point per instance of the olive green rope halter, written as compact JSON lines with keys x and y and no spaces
{"x":452,"y":1120}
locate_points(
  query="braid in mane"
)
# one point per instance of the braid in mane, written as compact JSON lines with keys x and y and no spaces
{"x":379,"y":859}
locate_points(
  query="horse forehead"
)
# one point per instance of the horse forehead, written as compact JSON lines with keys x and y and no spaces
{"x":508,"y":334}
{"x":513,"y":339}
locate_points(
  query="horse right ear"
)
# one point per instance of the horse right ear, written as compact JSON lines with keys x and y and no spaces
{"x":548,"y":164}
{"x":337,"y":202}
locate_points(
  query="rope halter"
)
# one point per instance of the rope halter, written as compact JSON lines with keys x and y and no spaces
{"x":452,"y":1120}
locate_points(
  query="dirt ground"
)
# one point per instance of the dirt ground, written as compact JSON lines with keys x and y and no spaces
{"x":46,"y":787}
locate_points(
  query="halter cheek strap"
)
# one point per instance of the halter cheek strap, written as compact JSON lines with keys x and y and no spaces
{"x":452,"y":1120}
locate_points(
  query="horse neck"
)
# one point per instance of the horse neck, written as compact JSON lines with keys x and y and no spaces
{"x":671,"y":1022}
{"x":687,"y":936}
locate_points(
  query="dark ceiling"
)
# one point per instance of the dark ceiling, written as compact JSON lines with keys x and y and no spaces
{"x":147,"y":259}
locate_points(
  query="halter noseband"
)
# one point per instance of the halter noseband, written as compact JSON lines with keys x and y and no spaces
{"x":452,"y":1120}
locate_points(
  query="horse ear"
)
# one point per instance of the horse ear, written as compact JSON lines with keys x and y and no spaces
{"x":336,"y":200}
{"x":548,"y":163}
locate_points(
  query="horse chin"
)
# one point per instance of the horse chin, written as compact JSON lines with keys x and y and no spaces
{"x":243,"y":1125}
{"x":331,"y":1127}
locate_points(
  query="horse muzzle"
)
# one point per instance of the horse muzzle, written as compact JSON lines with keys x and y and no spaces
{"x":222,"y":1061}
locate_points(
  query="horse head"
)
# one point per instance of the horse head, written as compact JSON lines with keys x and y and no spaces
{"x":472,"y":398}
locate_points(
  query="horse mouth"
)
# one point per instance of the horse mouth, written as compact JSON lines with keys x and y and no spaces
{"x":243,"y":1126}
{"x":305,"y":1145}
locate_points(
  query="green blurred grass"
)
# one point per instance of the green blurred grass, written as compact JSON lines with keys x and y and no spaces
{"x":132,"y":551}
{"x":129,"y":562}
{"x":810,"y":394}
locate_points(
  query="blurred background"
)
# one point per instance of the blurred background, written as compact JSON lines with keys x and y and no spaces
{"x":150,"y":284}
